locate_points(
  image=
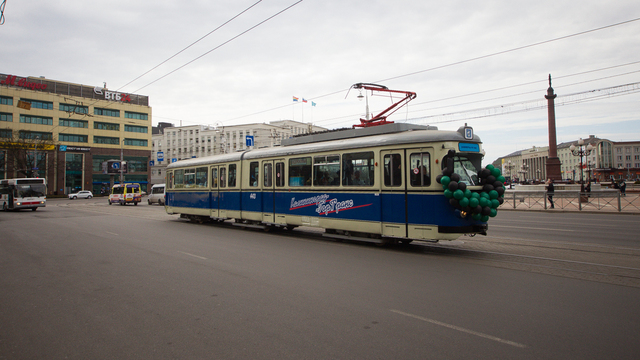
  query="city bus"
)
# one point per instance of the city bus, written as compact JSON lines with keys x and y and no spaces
{"x":24,"y":193}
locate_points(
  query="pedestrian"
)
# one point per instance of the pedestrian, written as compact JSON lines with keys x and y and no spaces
{"x":550,"y":190}
{"x":623,"y":188}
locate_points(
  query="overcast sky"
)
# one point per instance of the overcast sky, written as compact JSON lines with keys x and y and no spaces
{"x":467,"y":59}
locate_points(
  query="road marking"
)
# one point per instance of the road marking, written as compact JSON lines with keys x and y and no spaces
{"x":458,"y":328}
{"x":195,"y":256}
{"x":112,"y":233}
{"x":530,"y":228}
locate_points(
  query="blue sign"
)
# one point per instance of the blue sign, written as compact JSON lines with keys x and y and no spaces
{"x":468,"y":147}
{"x":174,"y":160}
{"x":115,"y":165}
{"x":160,"y":156}
{"x":249,"y":140}
{"x":63,"y":147}
{"x":150,"y":162}
{"x":468,"y":133}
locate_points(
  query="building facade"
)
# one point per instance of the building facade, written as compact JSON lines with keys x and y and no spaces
{"x":66,"y":132}
{"x":171,"y":144}
{"x":607,"y":161}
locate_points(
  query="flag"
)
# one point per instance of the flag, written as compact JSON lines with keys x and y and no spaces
{"x":313,"y":104}
{"x":304,"y":100}
{"x":295,"y":98}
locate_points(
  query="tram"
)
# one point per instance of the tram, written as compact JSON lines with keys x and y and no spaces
{"x":380,"y":183}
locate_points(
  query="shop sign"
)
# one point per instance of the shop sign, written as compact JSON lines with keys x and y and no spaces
{"x":23,"y":82}
{"x":74,"y":148}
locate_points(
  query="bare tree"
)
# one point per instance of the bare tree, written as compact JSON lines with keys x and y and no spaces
{"x":27,"y":154}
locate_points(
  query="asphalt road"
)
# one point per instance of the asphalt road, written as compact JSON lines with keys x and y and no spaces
{"x":84,"y":280}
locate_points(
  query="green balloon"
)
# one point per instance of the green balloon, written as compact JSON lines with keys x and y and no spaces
{"x":484,"y":194}
{"x":458,"y":194}
{"x":473,"y":202}
{"x":475,"y":195}
{"x":467,"y":193}
{"x":464,"y":202}
{"x":490,"y":167}
{"x":445,"y":181}
{"x":493,"y":213}
{"x":476,"y":217}
{"x":448,"y":194}
{"x":484,"y":202}
{"x":484,"y":218}
{"x":495,"y":172}
{"x":493,"y":194}
{"x":495,"y":203}
{"x":501,"y":179}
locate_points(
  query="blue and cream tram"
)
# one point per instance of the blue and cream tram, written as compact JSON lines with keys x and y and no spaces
{"x":376,"y":184}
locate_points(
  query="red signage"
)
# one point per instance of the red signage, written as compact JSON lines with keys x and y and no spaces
{"x":23,"y":82}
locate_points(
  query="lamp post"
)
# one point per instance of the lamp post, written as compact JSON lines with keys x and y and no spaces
{"x":581,"y":151}
{"x":510,"y":166}
{"x":523,"y":169}
{"x":538,"y":174}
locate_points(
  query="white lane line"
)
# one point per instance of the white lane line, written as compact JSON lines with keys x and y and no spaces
{"x":458,"y":328}
{"x":108,"y":232}
{"x":531,"y":228}
{"x":195,"y":256}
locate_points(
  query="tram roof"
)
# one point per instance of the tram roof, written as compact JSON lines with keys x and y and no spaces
{"x":394,"y":134}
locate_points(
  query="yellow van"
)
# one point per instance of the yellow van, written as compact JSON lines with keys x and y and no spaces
{"x":125,"y":194}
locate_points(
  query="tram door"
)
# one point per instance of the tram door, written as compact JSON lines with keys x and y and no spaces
{"x":421,"y":211}
{"x":214,"y":200}
{"x":268,"y":192}
{"x":393,"y":194}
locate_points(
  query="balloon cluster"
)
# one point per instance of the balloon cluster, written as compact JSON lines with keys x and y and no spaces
{"x":480,"y":204}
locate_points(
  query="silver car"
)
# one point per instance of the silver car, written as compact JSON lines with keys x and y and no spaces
{"x":84,"y":194}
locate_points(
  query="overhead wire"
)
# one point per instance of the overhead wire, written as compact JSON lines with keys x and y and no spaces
{"x":221,"y":45}
{"x":193,"y":43}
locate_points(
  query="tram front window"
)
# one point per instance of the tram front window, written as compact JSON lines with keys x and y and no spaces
{"x":467,"y":166}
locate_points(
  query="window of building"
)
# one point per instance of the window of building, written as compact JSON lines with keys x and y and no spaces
{"x":106,"y":112}
{"x":47,"y":105}
{"x":136,"y":142}
{"x":36,"y":120}
{"x":78,"y":109}
{"x":106,"y":126}
{"x":73,"y":138}
{"x":7,"y":134}
{"x":74,"y":123}
{"x":106,"y":140}
{"x":135,"y":115}
{"x":138,"y":129}
{"x":5,"y":100}
{"x":6,"y":117}
{"x":33,"y":135}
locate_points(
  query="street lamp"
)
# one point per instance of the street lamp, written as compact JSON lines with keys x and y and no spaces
{"x":581,"y":151}
{"x":523,"y":169}
{"x":510,"y":166}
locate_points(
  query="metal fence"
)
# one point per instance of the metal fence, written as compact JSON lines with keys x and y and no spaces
{"x":603,"y":200}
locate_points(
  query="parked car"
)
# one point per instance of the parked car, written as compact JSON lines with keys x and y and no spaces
{"x":84,"y":194}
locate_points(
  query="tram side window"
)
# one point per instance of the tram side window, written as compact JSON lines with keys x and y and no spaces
{"x":358,"y":169}
{"x":420,"y":170}
{"x":232,"y":175}
{"x":254,"y":171}
{"x":214,"y":177}
{"x":326,"y":170}
{"x":223,"y":177}
{"x":170,"y":178}
{"x":268,"y":175}
{"x":300,"y":171}
{"x":280,"y":174}
{"x":392,"y":170}
{"x":189,"y":178}
{"x":201,"y":177}
{"x":179,"y":178}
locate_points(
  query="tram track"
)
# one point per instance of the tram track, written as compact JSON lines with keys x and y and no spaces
{"x":620,"y":266}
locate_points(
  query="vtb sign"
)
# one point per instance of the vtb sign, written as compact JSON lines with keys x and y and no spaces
{"x":113,"y":96}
